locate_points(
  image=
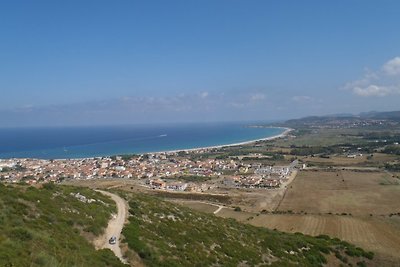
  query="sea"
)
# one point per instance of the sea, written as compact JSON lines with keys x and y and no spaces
{"x":100,"y":141}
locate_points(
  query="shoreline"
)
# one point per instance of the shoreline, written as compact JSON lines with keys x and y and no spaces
{"x":281,"y":135}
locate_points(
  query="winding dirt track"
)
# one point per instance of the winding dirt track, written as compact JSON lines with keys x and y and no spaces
{"x":114,"y":227}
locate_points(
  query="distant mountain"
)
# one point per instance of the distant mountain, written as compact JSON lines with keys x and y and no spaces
{"x":372,"y":115}
{"x":390,"y":115}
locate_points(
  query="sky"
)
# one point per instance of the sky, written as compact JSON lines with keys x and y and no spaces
{"x":126,"y":62}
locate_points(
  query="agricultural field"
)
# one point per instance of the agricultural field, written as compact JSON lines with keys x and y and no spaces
{"x":376,"y":160}
{"x":358,"y":206}
{"x":343,"y":191}
{"x":321,"y":137}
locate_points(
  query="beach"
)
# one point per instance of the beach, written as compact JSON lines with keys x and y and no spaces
{"x":281,"y":135}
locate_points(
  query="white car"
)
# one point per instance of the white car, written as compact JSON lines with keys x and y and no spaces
{"x":113,"y":240}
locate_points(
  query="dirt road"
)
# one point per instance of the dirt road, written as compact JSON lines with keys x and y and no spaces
{"x":114,"y":227}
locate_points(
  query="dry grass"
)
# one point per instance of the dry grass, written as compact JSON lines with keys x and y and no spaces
{"x":319,"y":195}
{"x":378,"y":159}
{"x":199,"y":206}
{"x":241,"y":216}
{"x":358,"y":193}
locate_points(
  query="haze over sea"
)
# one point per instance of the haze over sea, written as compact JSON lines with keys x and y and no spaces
{"x":85,"y":142}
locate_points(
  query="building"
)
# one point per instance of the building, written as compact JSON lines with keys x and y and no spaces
{"x":158,"y":184}
{"x":178,"y":186}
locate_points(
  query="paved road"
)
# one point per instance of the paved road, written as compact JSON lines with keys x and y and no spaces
{"x":114,"y":227}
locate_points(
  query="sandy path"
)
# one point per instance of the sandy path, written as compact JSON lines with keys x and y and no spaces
{"x":219,"y":209}
{"x":285,"y":187}
{"x":114,"y":227}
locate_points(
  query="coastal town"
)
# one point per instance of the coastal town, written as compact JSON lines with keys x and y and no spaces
{"x":163,"y":171}
{"x":200,"y":133}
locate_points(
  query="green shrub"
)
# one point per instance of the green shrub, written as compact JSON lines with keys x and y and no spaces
{"x":37,"y":227}
{"x":369,"y":255}
{"x":20,"y":234}
{"x":49,"y":186}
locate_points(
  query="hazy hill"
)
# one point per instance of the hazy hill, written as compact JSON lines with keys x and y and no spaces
{"x":373,"y":115}
{"x":390,"y":115}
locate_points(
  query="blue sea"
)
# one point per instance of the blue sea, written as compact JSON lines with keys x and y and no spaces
{"x":85,"y":142}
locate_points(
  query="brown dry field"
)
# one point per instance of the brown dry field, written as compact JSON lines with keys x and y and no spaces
{"x":369,"y":196}
{"x":342,"y":191}
{"x":256,"y":200}
{"x":242,"y":216}
{"x":199,"y":206}
{"x":377,"y":160}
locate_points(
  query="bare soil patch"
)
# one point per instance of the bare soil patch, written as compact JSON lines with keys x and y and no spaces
{"x":199,"y":206}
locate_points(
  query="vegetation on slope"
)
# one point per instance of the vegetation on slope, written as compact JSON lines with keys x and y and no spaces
{"x":42,"y":227}
{"x":164,"y":234}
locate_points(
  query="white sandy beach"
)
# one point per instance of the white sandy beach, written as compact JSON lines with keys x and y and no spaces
{"x":283,"y":134}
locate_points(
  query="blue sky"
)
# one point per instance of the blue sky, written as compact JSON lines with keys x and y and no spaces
{"x":126,"y":62}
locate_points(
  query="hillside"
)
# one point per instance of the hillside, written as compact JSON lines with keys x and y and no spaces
{"x":45,"y":227}
{"x":166,"y":234}
{"x":393,"y":116}
{"x":390,"y":115}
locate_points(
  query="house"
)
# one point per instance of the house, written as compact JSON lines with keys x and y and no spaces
{"x":120,"y":168}
{"x":271,"y":183}
{"x":158,"y":184}
{"x":177,"y":186}
{"x":251,"y":182}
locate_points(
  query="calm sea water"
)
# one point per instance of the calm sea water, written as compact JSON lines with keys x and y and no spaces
{"x":82,"y":142}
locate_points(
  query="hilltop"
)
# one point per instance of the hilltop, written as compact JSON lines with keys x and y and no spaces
{"x":372,"y":117}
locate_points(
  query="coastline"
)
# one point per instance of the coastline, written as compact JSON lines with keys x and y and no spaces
{"x":281,"y":135}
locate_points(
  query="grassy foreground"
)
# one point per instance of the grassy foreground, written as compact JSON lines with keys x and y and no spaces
{"x":165,"y":234}
{"x":43,"y":227}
